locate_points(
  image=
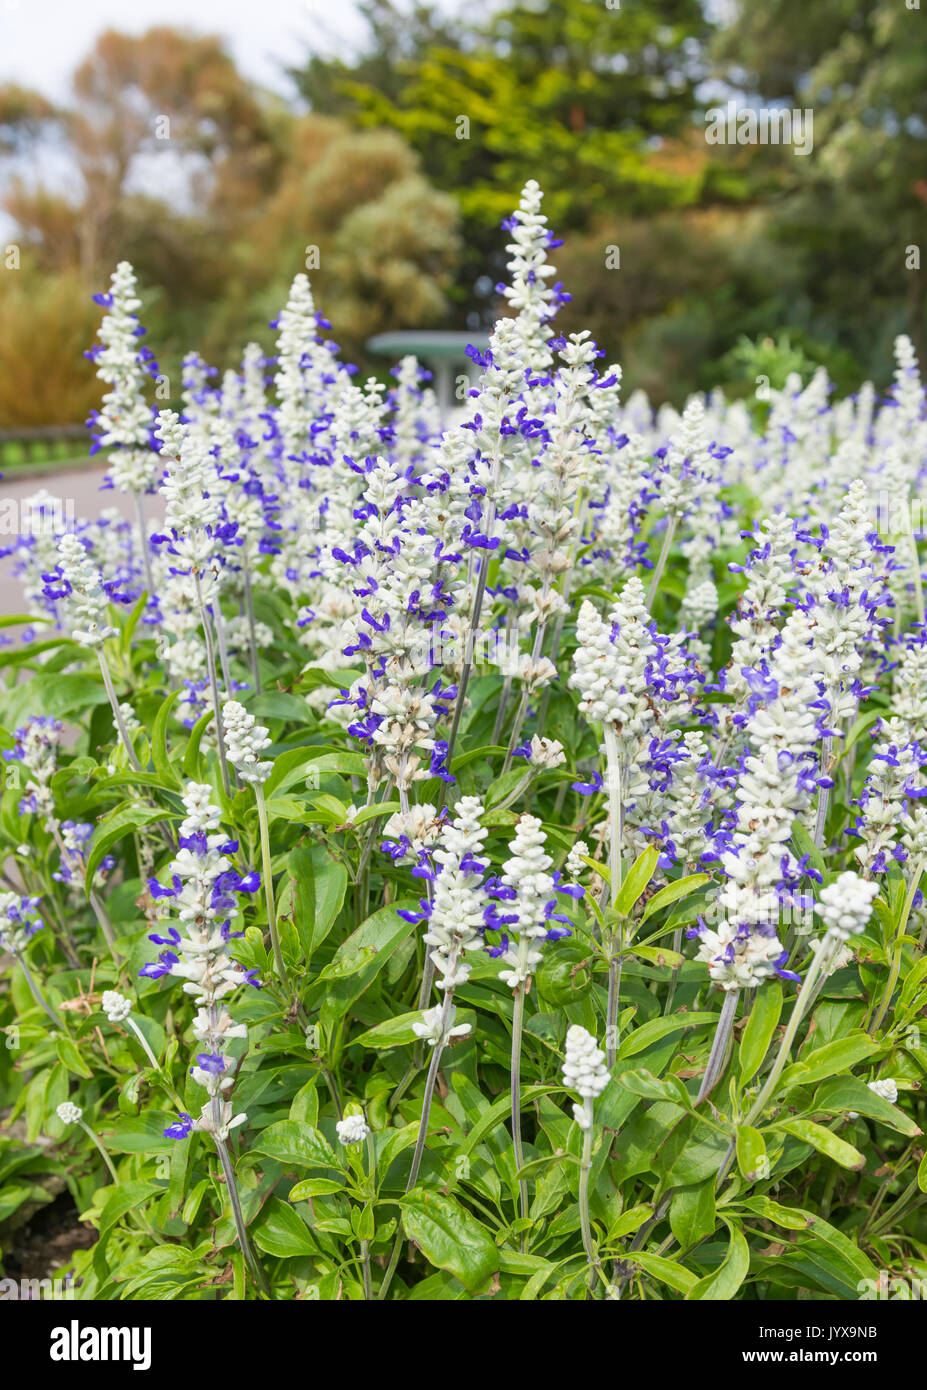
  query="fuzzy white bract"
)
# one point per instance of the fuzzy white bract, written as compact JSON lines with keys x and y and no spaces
{"x":116,"y":1006}
{"x":353,"y":1129}
{"x":244,"y":740}
{"x":846,"y":905}
{"x":584,"y":1071}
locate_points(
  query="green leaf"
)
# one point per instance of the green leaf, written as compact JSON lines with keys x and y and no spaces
{"x":723,"y":1283}
{"x":667,"y":1271}
{"x":804,"y":845}
{"x":673,"y":892}
{"x":70,"y":1056}
{"x":859,"y":727}
{"x":319,"y":885}
{"x":825,"y":1142}
{"x":497,"y":1113}
{"x":751,"y":1153}
{"x":628,"y":1222}
{"x":111,"y":828}
{"x":692,"y":1213}
{"x":658,"y":1028}
{"x":398,"y":1031}
{"x":53,"y":694}
{"x":282,"y":1231}
{"x":814,"y":1227}
{"x":638,"y":876}
{"x":850,"y":1093}
{"x":159,"y":753}
{"x":361,"y":957}
{"x":643,"y":1083}
{"x":657,"y":955}
{"x":833,"y":1057}
{"x":141,"y":1133}
{"x":277,"y":704}
{"x":123,"y":1199}
{"x":450,"y":1238}
{"x":191,"y":758}
{"x":315,"y":1187}
{"x":791,"y":1218}
{"x":761,"y":1025}
{"x":295,"y":1144}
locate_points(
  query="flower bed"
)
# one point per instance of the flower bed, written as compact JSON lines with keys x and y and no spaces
{"x":472,"y":864}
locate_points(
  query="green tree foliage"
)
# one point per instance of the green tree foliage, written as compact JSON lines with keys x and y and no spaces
{"x":859,"y":203}
{"x":254,"y":193}
{"x":574,"y":93}
{"x":607,"y":106}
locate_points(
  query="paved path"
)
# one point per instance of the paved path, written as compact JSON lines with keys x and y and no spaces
{"x":81,"y":500}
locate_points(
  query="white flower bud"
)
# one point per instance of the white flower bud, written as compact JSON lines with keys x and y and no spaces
{"x":116,"y":1006}
{"x":846,"y":905}
{"x":584,"y":1071}
{"x":353,"y":1129}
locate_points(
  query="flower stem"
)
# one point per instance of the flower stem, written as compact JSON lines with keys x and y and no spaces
{"x":473,"y":626}
{"x":117,"y":712}
{"x":213,"y":683}
{"x":37,"y":994}
{"x":661,"y":562}
{"x":228,"y":1173}
{"x":144,"y":1042}
{"x":896,"y":954}
{"x":99,"y":1143}
{"x":223,"y":649}
{"x":802,"y":1003}
{"x":916,"y":574}
{"x":518,"y":1019}
{"x":419,"y":1151}
{"x":584,"y":1172}
{"x":616,"y":829}
{"x":269,"y":883}
{"x":719,"y":1046}
{"x":252,"y":633}
{"x":143,"y":543}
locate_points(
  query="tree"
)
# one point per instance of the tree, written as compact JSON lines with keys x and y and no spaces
{"x":856,"y":206}
{"x":574,"y":94}
{"x":252,"y":186}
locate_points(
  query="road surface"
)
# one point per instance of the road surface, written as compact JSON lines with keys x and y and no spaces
{"x":81,"y":500}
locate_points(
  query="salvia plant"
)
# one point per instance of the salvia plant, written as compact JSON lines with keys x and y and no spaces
{"x":479,"y":862}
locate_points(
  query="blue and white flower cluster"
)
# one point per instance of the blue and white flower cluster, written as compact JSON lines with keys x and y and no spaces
{"x":198,"y":907}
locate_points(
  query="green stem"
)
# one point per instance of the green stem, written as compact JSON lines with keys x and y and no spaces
{"x":213,"y":683}
{"x":241,"y":1229}
{"x":117,"y":712}
{"x":518,"y":1018}
{"x":269,"y":883}
{"x":475,"y":612}
{"x":144,"y":1042}
{"x":657,"y":575}
{"x":419,"y":1151}
{"x":916,"y":573}
{"x":252,"y":634}
{"x":718,"y":1052}
{"x":584,"y":1172}
{"x":37,"y":994}
{"x":896,"y":954}
{"x":820,"y":962}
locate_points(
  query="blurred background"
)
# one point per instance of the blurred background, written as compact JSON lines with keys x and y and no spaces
{"x":223,"y":146}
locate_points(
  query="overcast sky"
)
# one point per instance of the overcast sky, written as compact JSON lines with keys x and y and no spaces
{"x":41,"y":41}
